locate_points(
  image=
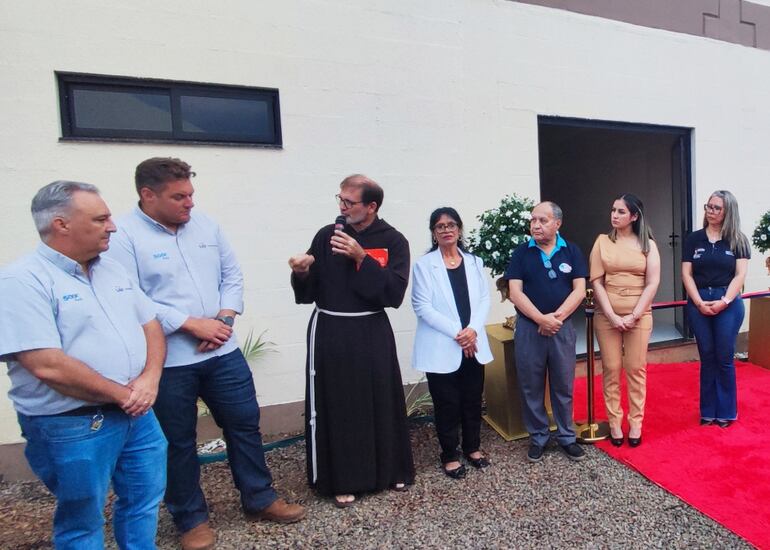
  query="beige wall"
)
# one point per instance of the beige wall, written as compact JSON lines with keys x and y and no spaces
{"x":435,"y":99}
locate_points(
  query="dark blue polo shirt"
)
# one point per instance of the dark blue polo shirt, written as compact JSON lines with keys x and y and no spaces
{"x":568,"y":263}
{"x":713,"y":264}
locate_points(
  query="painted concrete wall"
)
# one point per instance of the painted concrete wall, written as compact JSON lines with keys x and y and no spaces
{"x":435,"y":99}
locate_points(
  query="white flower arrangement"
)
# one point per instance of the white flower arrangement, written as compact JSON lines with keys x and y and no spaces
{"x":502,"y":229}
{"x":761,"y":236}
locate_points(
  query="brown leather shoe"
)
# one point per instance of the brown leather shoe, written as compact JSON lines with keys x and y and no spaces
{"x":200,"y":537}
{"x":281,"y":512}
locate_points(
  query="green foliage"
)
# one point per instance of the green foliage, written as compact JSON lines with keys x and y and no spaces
{"x":418,"y":404}
{"x":252,"y":349}
{"x":761,"y":235}
{"x":502,"y":229}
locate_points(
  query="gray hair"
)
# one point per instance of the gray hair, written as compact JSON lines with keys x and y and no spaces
{"x":731,"y":226}
{"x":555,"y":209}
{"x":54,"y":200}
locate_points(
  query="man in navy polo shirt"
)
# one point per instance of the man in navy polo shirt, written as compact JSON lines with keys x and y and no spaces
{"x":85,"y":354}
{"x":547,"y":282}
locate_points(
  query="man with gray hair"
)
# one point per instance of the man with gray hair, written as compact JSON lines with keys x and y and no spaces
{"x":547,"y":281}
{"x":84,"y":360}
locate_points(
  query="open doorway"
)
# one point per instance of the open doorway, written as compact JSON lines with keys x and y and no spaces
{"x":585,"y":164}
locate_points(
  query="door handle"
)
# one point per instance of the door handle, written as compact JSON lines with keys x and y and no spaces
{"x":672,"y":243}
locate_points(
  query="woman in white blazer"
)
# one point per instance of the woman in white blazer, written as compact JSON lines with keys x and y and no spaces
{"x":450,"y":295}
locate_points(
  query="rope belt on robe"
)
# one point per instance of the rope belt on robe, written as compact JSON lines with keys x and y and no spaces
{"x":312,"y":371}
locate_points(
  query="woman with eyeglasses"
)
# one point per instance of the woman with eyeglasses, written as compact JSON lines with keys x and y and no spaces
{"x":714,"y":264}
{"x":625,"y":273}
{"x":450,"y":295}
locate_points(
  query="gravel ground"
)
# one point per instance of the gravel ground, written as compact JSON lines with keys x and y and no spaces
{"x":597,"y":503}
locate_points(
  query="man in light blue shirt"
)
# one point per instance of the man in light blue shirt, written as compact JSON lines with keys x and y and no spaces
{"x":186,"y":266}
{"x":85,"y":355}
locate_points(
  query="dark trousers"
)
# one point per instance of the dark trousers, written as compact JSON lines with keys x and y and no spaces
{"x":457,"y":404}
{"x":536,"y":357}
{"x":226,"y":386}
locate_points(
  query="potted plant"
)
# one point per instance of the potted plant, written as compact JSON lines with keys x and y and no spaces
{"x":761,"y":237}
{"x":502,"y":229}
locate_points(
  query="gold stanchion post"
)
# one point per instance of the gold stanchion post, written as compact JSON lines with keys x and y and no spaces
{"x":590,"y":431}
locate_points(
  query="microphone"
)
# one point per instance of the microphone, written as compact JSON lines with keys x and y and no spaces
{"x":339,"y":225}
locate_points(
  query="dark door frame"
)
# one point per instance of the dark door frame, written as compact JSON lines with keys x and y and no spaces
{"x":684,"y":174}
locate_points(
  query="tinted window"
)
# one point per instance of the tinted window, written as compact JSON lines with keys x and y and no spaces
{"x":115,"y":108}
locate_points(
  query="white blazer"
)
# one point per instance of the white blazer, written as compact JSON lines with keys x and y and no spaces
{"x":438,"y":322}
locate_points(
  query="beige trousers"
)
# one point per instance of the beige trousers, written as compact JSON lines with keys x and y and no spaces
{"x":626,"y":351}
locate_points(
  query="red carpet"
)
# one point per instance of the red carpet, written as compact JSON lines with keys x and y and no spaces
{"x":724,"y":473}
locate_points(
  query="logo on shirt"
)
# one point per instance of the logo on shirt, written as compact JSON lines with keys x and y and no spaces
{"x":729,"y":252}
{"x":565,"y":268}
{"x":698,"y":253}
{"x":204,"y":245}
{"x":122,"y":288}
{"x":71,"y":298}
{"x":160,"y":256}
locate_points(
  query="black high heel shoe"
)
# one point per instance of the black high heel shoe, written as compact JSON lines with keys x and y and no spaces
{"x":634,"y":441}
{"x":617,"y":441}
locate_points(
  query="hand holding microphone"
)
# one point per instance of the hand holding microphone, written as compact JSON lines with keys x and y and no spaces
{"x":344,"y":244}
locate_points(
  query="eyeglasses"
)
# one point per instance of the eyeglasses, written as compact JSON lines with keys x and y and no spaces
{"x":549,"y":267}
{"x":440,"y":227}
{"x":345,"y":202}
{"x":713,"y":208}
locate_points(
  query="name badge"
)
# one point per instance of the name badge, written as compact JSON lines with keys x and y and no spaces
{"x":565,"y":268}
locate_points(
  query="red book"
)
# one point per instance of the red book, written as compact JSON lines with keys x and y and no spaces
{"x":379,"y":254}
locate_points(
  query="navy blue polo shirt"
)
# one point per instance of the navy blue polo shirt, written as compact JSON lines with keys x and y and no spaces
{"x":713,"y":264}
{"x":527,"y":265}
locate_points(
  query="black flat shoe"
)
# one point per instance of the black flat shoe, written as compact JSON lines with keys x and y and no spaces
{"x":617,"y":441}
{"x":457,"y":473}
{"x":705,"y":422}
{"x":634,"y":441}
{"x":478,"y":463}
{"x":724,"y":423}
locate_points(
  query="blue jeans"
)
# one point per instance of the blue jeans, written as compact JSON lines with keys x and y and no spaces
{"x":77,"y":459}
{"x":226,"y":386}
{"x":715,"y":336}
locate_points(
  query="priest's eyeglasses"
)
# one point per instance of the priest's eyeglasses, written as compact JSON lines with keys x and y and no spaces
{"x":549,"y":267}
{"x":345,"y":202}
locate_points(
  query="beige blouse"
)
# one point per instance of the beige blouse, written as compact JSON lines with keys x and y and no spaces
{"x":622,"y":267}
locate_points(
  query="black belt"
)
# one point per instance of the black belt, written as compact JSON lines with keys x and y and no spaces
{"x":91,"y":410}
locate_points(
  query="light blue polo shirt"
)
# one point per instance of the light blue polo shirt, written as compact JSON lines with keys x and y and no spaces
{"x":560,"y":243}
{"x":46,"y":301}
{"x":190,"y":273}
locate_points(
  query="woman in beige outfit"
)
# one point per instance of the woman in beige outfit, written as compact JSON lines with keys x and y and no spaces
{"x":625,"y":272}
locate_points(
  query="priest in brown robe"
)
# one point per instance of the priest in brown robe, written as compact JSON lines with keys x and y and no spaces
{"x":355,"y":415}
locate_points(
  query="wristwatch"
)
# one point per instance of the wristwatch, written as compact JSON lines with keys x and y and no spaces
{"x":229,"y":320}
